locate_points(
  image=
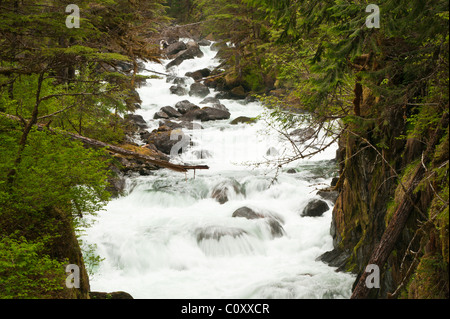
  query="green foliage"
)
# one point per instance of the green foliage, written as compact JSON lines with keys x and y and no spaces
{"x":27,"y":273}
{"x":54,"y":172}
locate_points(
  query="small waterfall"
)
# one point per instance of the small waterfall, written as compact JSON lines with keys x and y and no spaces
{"x":233,"y":231}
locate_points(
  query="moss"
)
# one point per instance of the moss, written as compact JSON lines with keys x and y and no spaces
{"x":431,"y":279}
{"x":406,"y":177}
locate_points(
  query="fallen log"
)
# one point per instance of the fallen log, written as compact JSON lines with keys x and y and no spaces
{"x":117,"y":149}
{"x":213,"y":76}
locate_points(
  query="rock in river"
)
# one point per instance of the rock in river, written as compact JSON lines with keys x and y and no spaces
{"x":315,"y":208}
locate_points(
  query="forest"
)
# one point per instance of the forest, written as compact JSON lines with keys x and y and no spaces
{"x":372,"y":78}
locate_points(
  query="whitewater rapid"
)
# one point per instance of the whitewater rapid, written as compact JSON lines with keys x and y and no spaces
{"x":160,"y":239}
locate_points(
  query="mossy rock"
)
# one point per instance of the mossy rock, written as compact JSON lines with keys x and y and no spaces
{"x":243,"y":119}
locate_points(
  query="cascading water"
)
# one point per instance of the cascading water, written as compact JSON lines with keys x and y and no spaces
{"x":169,"y":238}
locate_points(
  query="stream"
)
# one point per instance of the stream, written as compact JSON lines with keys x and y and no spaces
{"x":168,"y":237}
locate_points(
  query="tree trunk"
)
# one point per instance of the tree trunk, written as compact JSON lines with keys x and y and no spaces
{"x":398,"y":221}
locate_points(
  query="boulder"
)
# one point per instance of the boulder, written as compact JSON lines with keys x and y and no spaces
{"x":273,"y":222}
{"x":217,"y":232}
{"x":222,"y":191}
{"x":176,"y":47}
{"x":204,"y":43}
{"x":170,"y":124}
{"x":190,"y":53}
{"x":238,"y":92}
{"x":185,"y":106}
{"x":315,"y":208}
{"x":198,"y":89}
{"x":199,"y":74}
{"x":221,"y":107}
{"x":137,"y":120}
{"x":116,"y":181}
{"x":160,"y":115}
{"x":206,"y":114}
{"x":178,"y":90}
{"x":210,"y":100}
{"x":177,"y":80}
{"x":224,"y":95}
{"x":192,"y":44}
{"x":170,"y":111}
{"x":301,"y":135}
{"x":183,"y":124}
{"x":215,"y":103}
{"x":161,"y":139}
{"x":242,"y":119}
{"x":328,"y":195}
{"x":246,"y":213}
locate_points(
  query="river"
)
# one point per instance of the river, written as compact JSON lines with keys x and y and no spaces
{"x":169,"y":238}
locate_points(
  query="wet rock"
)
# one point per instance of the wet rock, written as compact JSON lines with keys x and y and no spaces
{"x":137,"y":120}
{"x":116,"y":182}
{"x":192,"y":44}
{"x":174,"y":125}
{"x":238,"y":92}
{"x":215,"y":103}
{"x":170,"y":111}
{"x":170,"y":124}
{"x":206,"y":114}
{"x":176,"y":47}
{"x":190,"y":53}
{"x":247,"y":213}
{"x":328,"y":195}
{"x":242,"y":119}
{"x":178,"y":90}
{"x":275,"y":227}
{"x":301,"y":135}
{"x":210,"y":100}
{"x":144,"y":135}
{"x":161,"y":139}
{"x":335,"y":258}
{"x":160,"y":115}
{"x":249,"y":99}
{"x":199,"y":74}
{"x":204,"y":43}
{"x":217,"y":232}
{"x":177,"y":80}
{"x":110,"y":295}
{"x":291,"y":171}
{"x":199,"y":89}
{"x":185,"y":106}
{"x":315,"y":208}
{"x":226,"y":189}
{"x":274,"y":223}
{"x":221,"y":107}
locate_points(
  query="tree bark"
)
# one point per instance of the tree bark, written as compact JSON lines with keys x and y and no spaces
{"x":398,"y":221}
